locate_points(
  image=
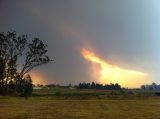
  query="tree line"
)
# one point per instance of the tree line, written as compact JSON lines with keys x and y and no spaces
{"x":18,"y":56}
{"x":94,"y":85}
{"x":152,"y":86}
{"x":84,"y":85}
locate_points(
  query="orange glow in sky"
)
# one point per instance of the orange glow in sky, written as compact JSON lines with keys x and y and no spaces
{"x":108,"y":73}
{"x":38,"y":78}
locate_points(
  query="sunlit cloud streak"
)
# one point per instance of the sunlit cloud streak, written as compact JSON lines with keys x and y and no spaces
{"x":109,"y":73}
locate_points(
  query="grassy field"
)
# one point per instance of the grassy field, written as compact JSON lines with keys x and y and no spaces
{"x":69,"y":105}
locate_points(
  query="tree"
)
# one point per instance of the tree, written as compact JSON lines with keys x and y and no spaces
{"x":143,"y":87}
{"x":93,"y":85}
{"x":13,"y":49}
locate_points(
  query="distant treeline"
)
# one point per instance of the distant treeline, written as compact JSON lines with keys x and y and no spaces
{"x":94,"y":85}
{"x":99,"y":86}
{"x":84,"y":85}
{"x":153,"y":86}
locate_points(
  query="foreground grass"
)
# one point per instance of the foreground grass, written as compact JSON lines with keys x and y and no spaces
{"x":51,"y":108}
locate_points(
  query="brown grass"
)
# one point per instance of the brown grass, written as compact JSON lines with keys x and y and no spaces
{"x":51,"y":108}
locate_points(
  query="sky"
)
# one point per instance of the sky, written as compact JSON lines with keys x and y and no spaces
{"x":123,"y":34}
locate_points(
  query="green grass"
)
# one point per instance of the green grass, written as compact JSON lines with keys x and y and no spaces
{"x":81,"y":104}
{"x":66,"y":93}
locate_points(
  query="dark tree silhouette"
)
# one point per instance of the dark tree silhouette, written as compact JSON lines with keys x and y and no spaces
{"x":99,"y":86}
{"x":35,"y":56}
{"x":12,"y":49}
{"x":152,"y":86}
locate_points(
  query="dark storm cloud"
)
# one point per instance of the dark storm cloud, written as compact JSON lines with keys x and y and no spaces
{"x":119,"y":31}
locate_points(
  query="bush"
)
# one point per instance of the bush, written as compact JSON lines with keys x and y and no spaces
{"x":58,"y":93}
{"x":25,"y":87}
